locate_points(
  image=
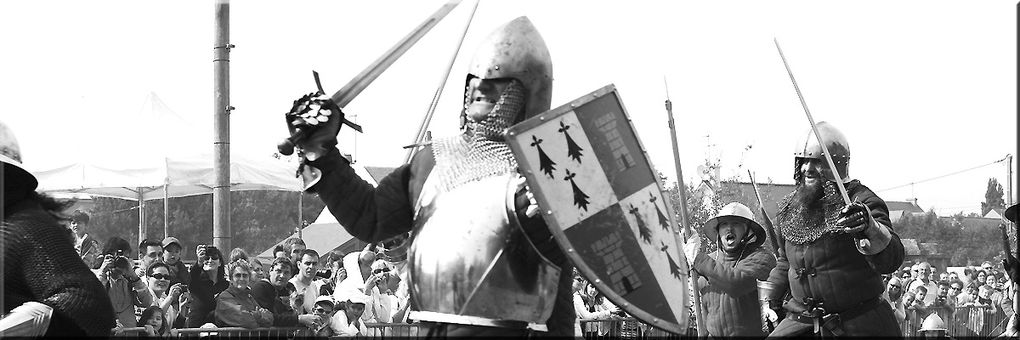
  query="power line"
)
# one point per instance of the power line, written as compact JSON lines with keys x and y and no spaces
{"x":943,"y":176}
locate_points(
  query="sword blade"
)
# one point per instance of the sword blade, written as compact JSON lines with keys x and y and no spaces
{"x":814,"y":128}
{"x":369,"y":74}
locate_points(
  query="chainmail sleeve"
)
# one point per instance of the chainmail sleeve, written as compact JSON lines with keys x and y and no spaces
{"x":41,"y":265}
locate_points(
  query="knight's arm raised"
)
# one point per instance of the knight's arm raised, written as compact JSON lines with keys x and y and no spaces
{"x":368,"y":213}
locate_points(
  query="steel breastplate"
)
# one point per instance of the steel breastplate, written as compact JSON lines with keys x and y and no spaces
{"x":470,"y":262}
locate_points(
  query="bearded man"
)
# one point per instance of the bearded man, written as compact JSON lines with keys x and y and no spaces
{"x":835,"y":253}
{"x":478,"y":263}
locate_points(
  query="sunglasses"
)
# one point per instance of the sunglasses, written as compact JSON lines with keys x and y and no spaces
{"x":322,"y":311}
{"x":160,"y":276}
{"x":210,"y":257}
{"x":381,"y":270}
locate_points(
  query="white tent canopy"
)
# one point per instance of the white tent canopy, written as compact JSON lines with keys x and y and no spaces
{"x":182,"y":175}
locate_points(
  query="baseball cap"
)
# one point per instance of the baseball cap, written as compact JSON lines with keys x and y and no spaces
{"x":171,"y":240}
{"x":358,"y":297}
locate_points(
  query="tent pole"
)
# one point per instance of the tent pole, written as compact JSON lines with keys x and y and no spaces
{"x":142,"y":230}
{"x":300,"y":219}
{"x":221,"y":126}
{"x":166,"y":211}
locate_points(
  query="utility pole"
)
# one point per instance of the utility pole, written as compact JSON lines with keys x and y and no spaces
{"x":221,"y":126}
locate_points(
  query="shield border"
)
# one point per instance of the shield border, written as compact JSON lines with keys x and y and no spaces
{"x":560,"y":235}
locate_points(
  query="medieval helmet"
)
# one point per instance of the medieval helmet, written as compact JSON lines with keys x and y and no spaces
{"x":516,"y":50}
{"x":835,"y":143}
{"x":933,"y":323}
{"x":741,"y":211}
{"x":10,"y":156}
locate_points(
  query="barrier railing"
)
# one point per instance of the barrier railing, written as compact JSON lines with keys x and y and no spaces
{"x":395,"y":330}
{"x":962,"y":321}
{"x":626,"y":328}
{"x":242,"y":333}
{"x":965,"y":321}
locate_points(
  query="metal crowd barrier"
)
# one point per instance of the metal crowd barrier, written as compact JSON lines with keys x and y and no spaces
{"x":623,"y":328}
{"x":962,"y":321}
{"x":282,"y":333}
{"x":395,"y":330}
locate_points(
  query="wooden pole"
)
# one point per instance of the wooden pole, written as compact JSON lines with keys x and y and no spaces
{"x":684,"y":219}
{"x":221,"y":126}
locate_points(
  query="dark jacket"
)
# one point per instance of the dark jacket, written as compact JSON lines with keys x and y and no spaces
{"x":41,"y":265}
{"x":729,"y":291}
{"x":268,"y":297}
{"x":374,"y":214}
{"x":832,"y":271}
{"x":203,"y":294}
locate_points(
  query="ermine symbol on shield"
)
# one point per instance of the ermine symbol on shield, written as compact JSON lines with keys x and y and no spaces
{"x":673,"y":268}
{"x":573,"y":150}
{"x":646,"y":234}
{"x":580,"y":198}
{"x":544,"y":163}
{"x":663,"y":221}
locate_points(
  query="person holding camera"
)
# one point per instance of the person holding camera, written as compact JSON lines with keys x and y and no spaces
{"x":125,"y":288}
{"x":166,"y":294}
{"x":207,"y":280}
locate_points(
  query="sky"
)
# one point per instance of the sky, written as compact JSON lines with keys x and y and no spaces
{"x":921,"y":89}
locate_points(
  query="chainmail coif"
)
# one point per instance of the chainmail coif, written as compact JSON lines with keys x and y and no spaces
{"x":800,"y":225}
{"x":481,"y":151}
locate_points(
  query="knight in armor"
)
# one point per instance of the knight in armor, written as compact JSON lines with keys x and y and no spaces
{"x":835,"y":253}
{"x":40,"y":265}
{"x":730,"y":274}
{"x":478,"y":263}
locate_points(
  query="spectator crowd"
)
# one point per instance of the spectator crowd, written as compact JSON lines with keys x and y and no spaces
{"x":972,"y":302}
{"x":336,"y":294}
{"x":153,"y":291}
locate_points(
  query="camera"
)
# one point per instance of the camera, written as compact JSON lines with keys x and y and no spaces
{"x":324,"y":273}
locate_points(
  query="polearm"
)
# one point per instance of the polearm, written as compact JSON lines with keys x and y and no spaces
{"x":814,"y":128}
{"x":423,"y":127}
{"x":357,"y":84}
{"x":699,"y":319}
{"x":769,"y":228}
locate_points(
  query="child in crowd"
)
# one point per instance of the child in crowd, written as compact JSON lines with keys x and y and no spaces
{"x":154,"y":321}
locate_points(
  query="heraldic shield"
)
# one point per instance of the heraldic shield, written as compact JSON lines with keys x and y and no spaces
{"x":603,"y":203}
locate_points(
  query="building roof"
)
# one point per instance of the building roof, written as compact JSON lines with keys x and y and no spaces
{"x":743,"y":192}
{"x":906,"y":206}
{"x":910,"y":247}
{"x":995,"y":213}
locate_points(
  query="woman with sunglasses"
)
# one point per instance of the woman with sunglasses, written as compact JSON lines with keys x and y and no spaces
{"x":165,"y":295}
{"x":207,"y":280}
